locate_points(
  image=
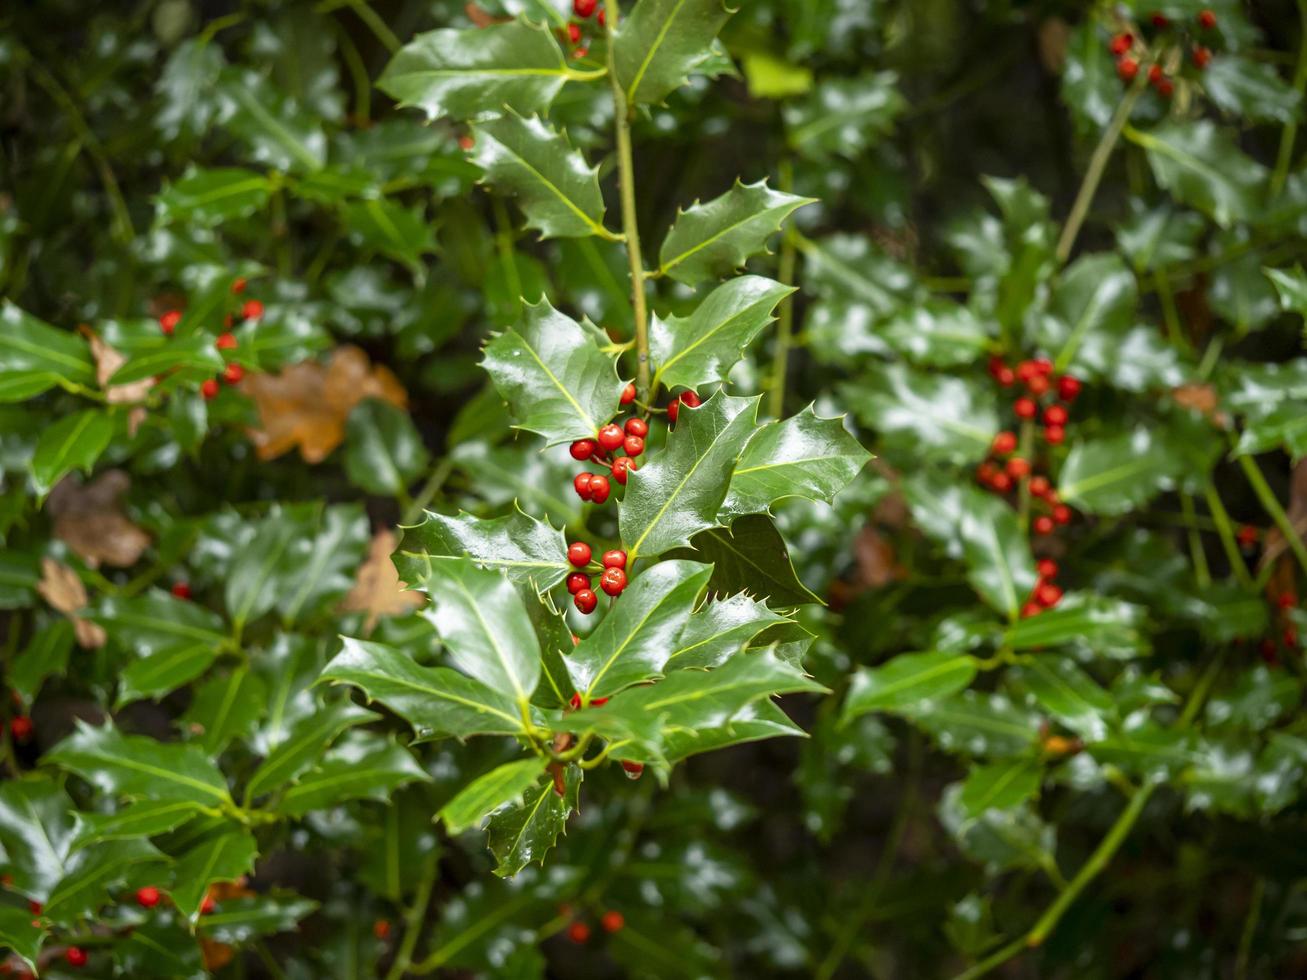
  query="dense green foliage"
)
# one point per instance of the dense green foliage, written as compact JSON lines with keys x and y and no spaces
{"x":306,"y":301}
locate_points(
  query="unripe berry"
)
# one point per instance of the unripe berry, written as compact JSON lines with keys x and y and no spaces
{"x":168,"y":322}
{"x":1047,"y":568}
{"x":637,"y":427}
{"x":225,"y":341}
{"x":614,"y":559}
{"x":600,"y":488}
{"x":1048,"y":595}
{"x":578,"y":553}
{"x":611,"y":436}
{"x":613,"y":581}
{"x":1043,"y":524}
{"x":1067,"y":388}
{"x":1062,"y":514}
{"x":1206,"y":20}
{"x":1127,"y":68}
{"x":584,"y":8}
{"x":1055,"y":435}
{"x":586,"y":601}
{"x":1004,"y":443}
{"x":1018,"y":467}
{"x":633,"y":769}
{"x":579,"y":933}
{"x":612,"y":921}
{"x":574,"y":32}
{"x":251,"y":309}
{"x":233,"y":374}
{"x":76,"y":956}
{"x":581,"y":483}
{"x":580,"y":51}
{"x":1039,"y":486}
{"x":21,"y":728}
{"x":621,"y":469}
{"x":147,"y":897}
{"x":181,"y":590}
{"x":577,"y":581}
{"x":582,"y":449}
{"x":1025,"y":408}
{"x":1055,"y":415}
{"x":1202,"y":57}
{"x":633,"y":445}
{"x":209,"y":389}
{"x":628,"y":394}
{"x":1120,"y":44}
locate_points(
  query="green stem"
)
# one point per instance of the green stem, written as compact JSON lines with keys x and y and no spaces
{"x":1097,"y":164}
{"x":369,"y":17}
{"x":1225,"y":531}
{"x":785,"y":326}
{"x":1170,"y":314}
{"x":1201,"y":571}
{"x":1250,"y":929}
{"x":429,"y":490}
{"x":417,"y":911}
{"x":1284,"y":159}
{"x":630,"y":223}
{"x":1272,"y":507}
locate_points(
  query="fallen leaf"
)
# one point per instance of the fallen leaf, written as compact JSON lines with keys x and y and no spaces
{"x":64,"y":591}
{"x":307,"y":404}
{"x":107,"y":361}
{"x":876,"y":559}
{"x":216,"y":954}
{"x":377,"y":589}
{"x":89,"y":519}
{"x":1200,"y":398}
{"x":482,"y":18}
{"x":1054,"y":33}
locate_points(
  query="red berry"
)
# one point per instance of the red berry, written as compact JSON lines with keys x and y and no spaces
{"x":613,"y":581}
{"x":580,"y":51}
{"x":1055,"y":415}
{"x":1038,"y":385}
{"x":582,"y":449}
{"x":1127,"y":68}
{"x":690,"y":400}
{"x":1120,"y":44}
{"x":637,"y":427}
{"x":577,"y":581}
{"x":586,"y":601}
{"x":1031,"y":609}
{"x":381,"y":929}
{"x":574,"y":33}
{"x":76,"y":956}
{"x":1155,"y":74}
{"x":985,"y":472}
{"x":579,"y":933}
{"x":147,"y":897}
{"x":168,"y":322}
{"x":614,"y":559}
{"x":1055,"y":435}
{"x":1048,"y":595}
{"x":1248,"y":536}
{"x":578,"y":553}
{"x":612,"y":921}
{"x":466,"y":142}
{"x":1004,"y":443}
{"x":208,"y":906}
{"x":209,"y":389}
{"x":1001,"y":482}
{"x":1043,"y":524}
{"x":1047,"y":568}
{"x":238,"y":285}
{"x":1018,"y":467}
{"x":996,"y":365}
{"x":575,"y":703}
{"x":584,"y":8}
{"x":1165,"y":88}
{"x":233,"y":374}
{"x":1025,"y":408}
{"x":1206,"y":20}
{"x":35,"y":907}
{"x":1026,"y":370}
{"x":600,"y":488}
{"x":1067,"y":388}
{"x":633,"y":769}
{"x":633,"y":445}
{"x":628,"y":394}
{"x":598,"y":702}
{"x":1159,"y":20}
{"x":621,"y":468}
{"x":21,"y":728}
{"x":1290,"y":636}
{"x":1202,"y":57}
{"x":1286,"y":600}
{"x":1006,"y":377}
{"x":602,"y":18}
{"x":251,"y":309}
{"x":611,"y":436}
{"x":1039,"y":486}
{"x":1062,"y":514}
{"x":181,"y":590}
{"x":226,"y":341}
{"x":582,"y":484}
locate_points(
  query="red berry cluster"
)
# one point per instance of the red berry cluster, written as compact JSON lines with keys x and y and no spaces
{"x":251,"y":310}
{"x":612,"y":578}
{"x":584,"y":10}
{"x":579,"y":932}
{"x":1047,"y":593}
{"x":687,"y":398}
{"x":1129,"y":50}
{"x":604,"y":450}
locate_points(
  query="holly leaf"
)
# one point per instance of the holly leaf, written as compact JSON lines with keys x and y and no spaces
{"x":144,"y":818}
{"x":484,"y":626}
{"x":37,"y":833}
{"x":74,"y":442}
{"x":362,"y":766}
{"x":679,"y":493}
{"x":523,"y":833}
{"x":35,"y":357}
{"x":660,"y":42}
{"x":556,"y":380}
{"x":802,"y":456}
{"x":1117,"y":473}
{"x":691,"y":351}
{"x":557,"y":190}
{"x":225,"y":856}
{"x":844,"y":116}
{"x":239,"y":920}
{"x":749,"y":556}
{"x":212,"y":196}
{"x":526,"y":550}
{"x":753,"y":723}
{"x":1000,"y":785}
{"x":487,"y":793}
{"x":21,"y":933}
{"x":470,"y":72}
{"x":1069,"y":694}
{"x":719,"y":630}
{"x":1201,"y":166}
{"x":907,"y":680}
{"x":91,"y":872}
{"x":710,"y":241}
{"x":304,"y":746}
{"x":635,"y":640}
{"x":383,"y":451}
{"x":437,"y":701}
{"x":1251,"y":89}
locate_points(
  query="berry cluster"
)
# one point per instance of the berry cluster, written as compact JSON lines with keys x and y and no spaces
{"x":579,"y":932}
{"x":1047,"y":593}
{"x":1130,"y":51}
{"x":251,"y":311}
{"x":604,"y":450}
{"x":612,"y":577}
{"x":583,"y":10}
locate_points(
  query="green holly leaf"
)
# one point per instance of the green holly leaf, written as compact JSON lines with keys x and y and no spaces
{"x":844,"y":117}
{"x":275,"y":131}
{"x":212,"y":196}
{"x":907,"y":680}
{"x":21,"y":934}
{"x":224,"y":708}
{"x":1148,"y":751}
{"x":678,"y":494}
{"x":634,"y":641}
{"x":1201,"y":166}
{"x":1115,"y":474}
{"x":691,"y":351}
{"x":239,"y":920}
{"x":718,"y":630}
{"x":976,"y":725}
{"x":660,"y":42}
{"x":74,"y":442}
{"x":480,"y":70}
{"x":1092,"y":306}
{"x":749,"y":556}
{"x":556,"y":380}
{"x":164,"y":672}
{"x":37,"y":833}
{"x":144,"y":818}
{"x":1154,"y":238}
{"x":526,"y":550}
{"x":160,"y":354}
{"x":1251,"y":89}
{"x":138,"y":767}
{"x":752,"y":723}
{"x":225,"y":856}
{"x":1069,"y":694}
{"x":500,"y":787}
{"x":1000,"y":786}
{"x":557,"y":189}
{"x":403,"y":233}
{"x":383,"y":451}
{"x":437,"y":701}
{"x":523,"y":833}
{"x":35,"y":357}
{"x":802,"y":456}
{"x":86,"y":886}
{"x":361,"y":766}
{"x":484,"y":625}
{"x":711,"y":241}
{"x":1097,"y":623}
{"x":1090,"y":86}
{"x":161,"y":951}
{"x":1002,"y":839}
{"x":304,"y":746}
{"x":933,"y":333}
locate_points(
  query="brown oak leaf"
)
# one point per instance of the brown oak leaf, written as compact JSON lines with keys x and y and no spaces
{"x":377,"y":589}
{"x":60,"y":586}
{"x":307,"y":404}
{"x":89,"y":519}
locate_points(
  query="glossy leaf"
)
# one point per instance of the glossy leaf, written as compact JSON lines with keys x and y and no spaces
{"x":37,"y":832}
{"x":1200,"y":165}
{"x":361,"y":766}
{"x":907,"y":679}
{"x":35,"y":356}
{"x":91,"y":874}
{"x":225,"y":707}
{"x":660,"y":42}
{"x":1069,"y":694}
{"x":225,"y":856}
{"x":999,"y":786}
{"x":304,"y":745}
{"x":526,"y":550}
{"x":383,"y":451}
{"x":844,"y":116}
{"x":524,"y":833}
{"x":242,"y":919}
{"x":719,"y":630}
{"x":144,"y":818}
{"x":926,"y":416}
{"x":210,"y":197}
{"x":75,"y":442}
{"x":498,"y":788}
{"x":139,"y":767}
{"x":749,"y":556}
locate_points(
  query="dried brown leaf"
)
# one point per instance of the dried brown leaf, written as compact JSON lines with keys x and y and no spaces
{"x":64,"y":591}
{"x":107,"y":361}
{"x":307,"y":404}
{"x":377,"y":589}
{"x":89,"y":519}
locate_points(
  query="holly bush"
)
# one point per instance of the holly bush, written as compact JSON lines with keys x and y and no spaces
{"x":435,"y":543}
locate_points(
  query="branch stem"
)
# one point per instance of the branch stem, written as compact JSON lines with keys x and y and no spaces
{"x":1266,"y":496}
{"x":1284,"y":159}
{"x":785,"y":326}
